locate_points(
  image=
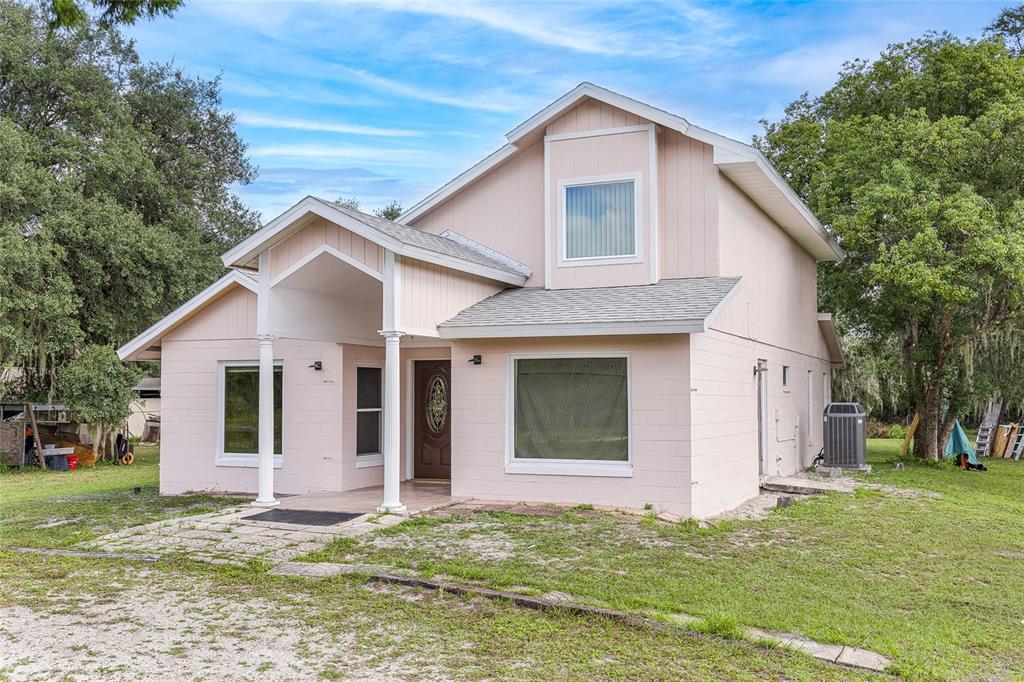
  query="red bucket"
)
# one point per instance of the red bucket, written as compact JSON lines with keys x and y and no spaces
{"x":72,"y":462}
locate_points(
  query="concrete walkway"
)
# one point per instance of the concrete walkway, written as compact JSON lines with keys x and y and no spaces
{"x":231,"y":536}
{"x":228,"y":536}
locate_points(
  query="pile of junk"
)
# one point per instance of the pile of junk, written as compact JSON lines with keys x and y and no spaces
{"x":50,"y":436}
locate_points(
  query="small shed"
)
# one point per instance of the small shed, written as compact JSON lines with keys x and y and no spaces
{"x":144,"y":420}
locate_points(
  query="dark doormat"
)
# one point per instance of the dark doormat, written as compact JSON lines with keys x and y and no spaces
{"x":304,"y":517}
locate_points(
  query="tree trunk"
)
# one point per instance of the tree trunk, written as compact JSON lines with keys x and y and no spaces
{"x":946,"y":430}
{"x":926,"y":444}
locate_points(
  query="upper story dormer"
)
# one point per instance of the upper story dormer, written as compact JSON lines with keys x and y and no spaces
{"x":598,"y":189}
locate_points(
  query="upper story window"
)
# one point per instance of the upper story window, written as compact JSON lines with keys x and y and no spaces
{"x":600,"y":219}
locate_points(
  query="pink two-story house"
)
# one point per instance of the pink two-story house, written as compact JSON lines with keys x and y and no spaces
{"x":616,"y":307}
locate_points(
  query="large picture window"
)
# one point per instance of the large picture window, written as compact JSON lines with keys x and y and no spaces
{"x":369,"y":410}
{"x":600,"y":220}
{"x":572,"y":409}
{"x":241,"y":409}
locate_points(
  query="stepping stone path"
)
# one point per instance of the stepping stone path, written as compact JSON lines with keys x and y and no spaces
{"x":228,"y":536}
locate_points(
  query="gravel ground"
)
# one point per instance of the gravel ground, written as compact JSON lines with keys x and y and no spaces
{"x":155,"y":630}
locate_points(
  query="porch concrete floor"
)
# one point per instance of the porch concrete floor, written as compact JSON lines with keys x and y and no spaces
{"x":229,"y":536}
{"x":417,"y":495}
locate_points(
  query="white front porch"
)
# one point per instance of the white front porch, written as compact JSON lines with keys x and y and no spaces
{"x":416,"y":495}
{"x":329,"y":296}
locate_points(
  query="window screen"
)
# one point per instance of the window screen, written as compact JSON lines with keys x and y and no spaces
{"x":572,"y":408}
{"x":600,"y":220}
{"x":242,"y":409}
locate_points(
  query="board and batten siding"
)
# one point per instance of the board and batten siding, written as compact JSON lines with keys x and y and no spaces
{"x":590,"y":114}
{"x":317,"y":233}
{"x":660,"y":423}
{"x":596,"y":157}
{"x":503,"y":210}
{"x":688,"y":212}
{"x":430,"y":294}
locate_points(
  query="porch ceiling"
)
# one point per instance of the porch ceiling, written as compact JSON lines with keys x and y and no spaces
{"x":327,"y":299}
{"x":327,"y":275}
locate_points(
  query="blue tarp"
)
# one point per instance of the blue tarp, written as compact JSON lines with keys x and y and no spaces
{"x":959,"y":445}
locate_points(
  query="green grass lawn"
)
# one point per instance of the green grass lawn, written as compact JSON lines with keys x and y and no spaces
{"x":348,"y":628}
{"x":929,"y":571}
{"x":62,"y":508}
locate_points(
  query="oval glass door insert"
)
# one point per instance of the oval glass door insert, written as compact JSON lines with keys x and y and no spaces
{"x":437,"y":403}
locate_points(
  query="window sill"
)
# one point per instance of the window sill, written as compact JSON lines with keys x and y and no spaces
{"x":367,"y":461}
{"x":245,"y":461}
{"x":599,"y":260}
{"x":570,"y":468}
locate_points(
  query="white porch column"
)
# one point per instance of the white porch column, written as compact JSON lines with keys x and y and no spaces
{"x":265,"y":443}
{"x":392,"y":424}
{"x":265,"y":497}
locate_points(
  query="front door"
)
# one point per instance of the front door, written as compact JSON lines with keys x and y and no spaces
{"x":433,"y":442}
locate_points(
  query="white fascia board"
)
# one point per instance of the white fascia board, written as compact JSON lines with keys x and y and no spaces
{"x":572,"y":329}
{"x":454,"y":263}
{"x":181,"y":313}
{"x":512,"y":263}
{"x":571,"y":98}
{"x":729,"y":152}
{"x":282,"y":226}
{"x":720,"y":306}
{"x":457,"y":183}
{"x":828,"y":330}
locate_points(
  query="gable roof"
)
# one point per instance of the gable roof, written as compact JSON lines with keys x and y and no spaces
{"x":139,"y":347}
{"x":672,"y":306}
{"x":463,"y":255}
{"x":741,"y":163}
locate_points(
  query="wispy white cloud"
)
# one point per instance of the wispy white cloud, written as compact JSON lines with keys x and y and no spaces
{"x":334,"y":153}
{"x":579,"y":27}
{"x":264,"y":121}
{"x":532,"y":25}
{"x":814,"y":67}
{"x":498,"y":100}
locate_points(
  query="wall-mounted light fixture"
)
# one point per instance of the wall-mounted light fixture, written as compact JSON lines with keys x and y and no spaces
{"x":477,"y":360}
{"x":317,"y":365}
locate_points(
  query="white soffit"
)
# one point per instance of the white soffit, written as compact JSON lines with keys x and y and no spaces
{"x":828,"y":331}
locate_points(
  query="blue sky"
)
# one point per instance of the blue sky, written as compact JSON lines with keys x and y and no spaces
{"x":388,"y":99}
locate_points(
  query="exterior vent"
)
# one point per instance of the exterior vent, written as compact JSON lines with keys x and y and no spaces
{"x":845,"y":435}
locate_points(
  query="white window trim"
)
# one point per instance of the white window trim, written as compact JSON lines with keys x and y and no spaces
{"x":370,"y":459}
{"x":565,"y":467}
{"x":638,"y":227}
{"x":235,"y":459}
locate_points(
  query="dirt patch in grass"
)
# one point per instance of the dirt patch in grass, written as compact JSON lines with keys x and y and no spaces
{"x":482,"y":539}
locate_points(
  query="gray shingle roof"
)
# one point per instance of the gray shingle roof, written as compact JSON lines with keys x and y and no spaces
{"x":426,"y":240}
{"x":672,"y":303}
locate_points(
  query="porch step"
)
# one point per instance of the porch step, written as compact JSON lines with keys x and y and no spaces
{"x":803,"y":486}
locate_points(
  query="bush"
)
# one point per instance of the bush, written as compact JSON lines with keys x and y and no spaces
{"x":898,"y":431}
